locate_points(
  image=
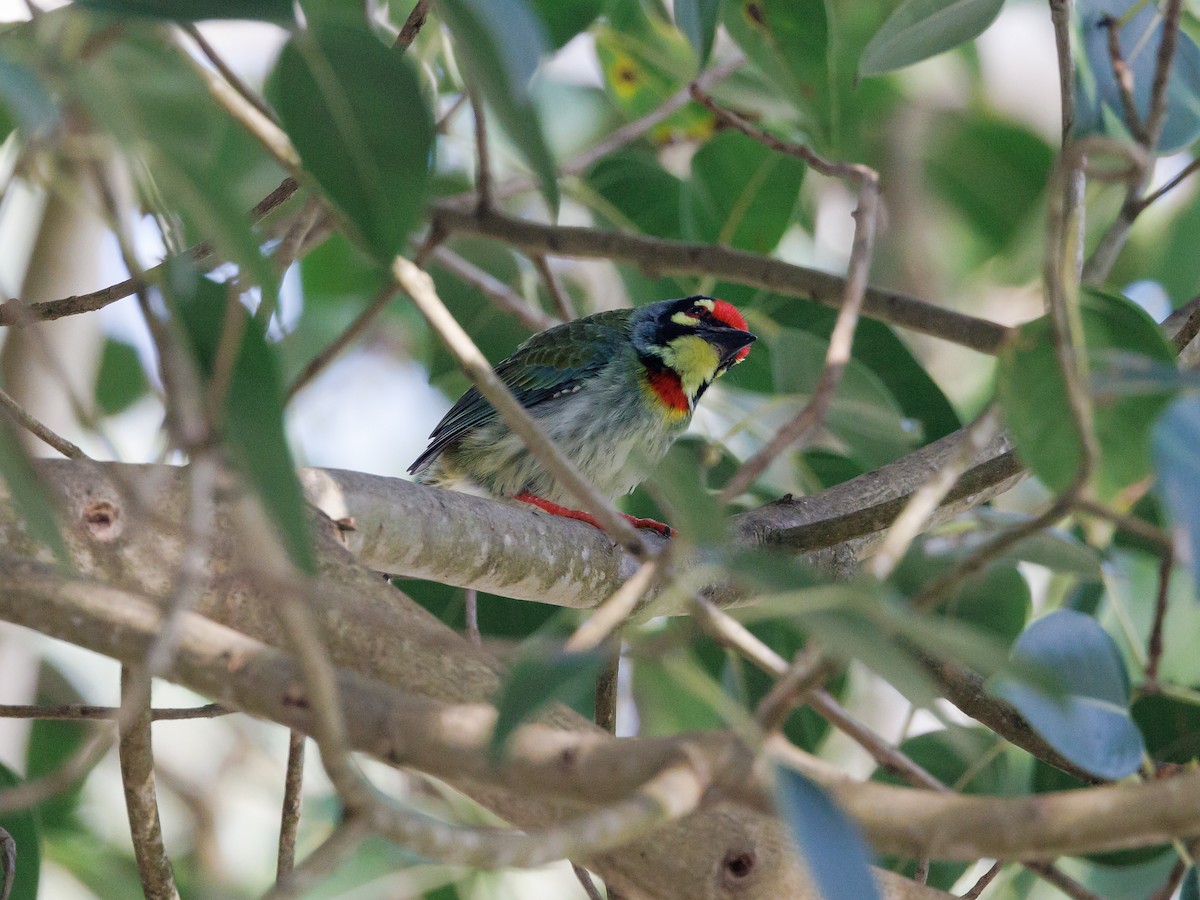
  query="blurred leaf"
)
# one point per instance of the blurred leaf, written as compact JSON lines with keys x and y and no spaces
{"x":1139,"y":39}
{"x":951,"y":756}
{"x":919,"y":29}
{"x":1035,"y":404}
{"x":864,"y":413}
{"x":539,"y":677}
{"x":1002,"y":188}
{"x":1170,"y":727}
{"x":122,"y":380}
{"x":1191,"y":885}
{"x":1089,"y":722}
{"x":355,"y":113}
{"x":500,"y":43}
{"x":997,"y":602}
{"x":1176,"y":439}
{"x":790,"y":41}
{"x":740,"y":194}
{"x":26,"y":102}
{"x":635,"y":185}
{"x":697,"y":19}
{"x":53,"y":742}
{"x":878,"y":348}
{"x":149,"y":100}
{"x":566,"y":18}
{"x":26,"y":831}
{"x":195,"y":10}
{"x":1053,"y":548}
{"x":831,"y":843}
{"x":253,"y":411}
{"x":35,"y":504}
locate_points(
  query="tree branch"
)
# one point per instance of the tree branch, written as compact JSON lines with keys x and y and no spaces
{"x":658,"y":256}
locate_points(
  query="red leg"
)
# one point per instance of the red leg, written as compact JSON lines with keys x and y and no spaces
{"x":567,"y":513}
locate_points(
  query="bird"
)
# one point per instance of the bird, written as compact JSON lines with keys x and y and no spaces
{"x":612,"y":391}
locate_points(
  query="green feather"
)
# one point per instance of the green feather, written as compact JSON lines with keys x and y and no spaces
{"x":552,"y":361}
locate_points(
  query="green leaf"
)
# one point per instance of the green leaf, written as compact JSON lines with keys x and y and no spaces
{"x":697,"y":19}
{"x":52,"y":743}
{"x":790,"y":41}
{"x":831,"y":842}
{"x":1089,"y":721}
{"x":566,"y":18}
{"x":1035,"y":404}
{"x":1001,"y":190}
{"x":253,"y":411}
{"x":919,"y":29}
{"x":542,"y":676}
{"x":741,"y":194}
{"x":122,"y":380}
{"x":1170,"y":727}
{"x":195,"y":10}
{"x":26,"y":831}
{"x":1140,"y":37}
{"x":500,"y":43}
{"x":1178,"y":465}
{"x":639,"y":190}
{"x":34,"y":502}
{"x":355,"y":113}
{"x":1052,"y":547}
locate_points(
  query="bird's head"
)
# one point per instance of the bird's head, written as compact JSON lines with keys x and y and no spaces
{"x":686,"y":344}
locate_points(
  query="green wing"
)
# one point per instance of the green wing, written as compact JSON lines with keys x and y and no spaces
{"x":557,"y":359}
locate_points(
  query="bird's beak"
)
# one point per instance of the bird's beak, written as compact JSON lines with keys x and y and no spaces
{"x":732,"y":344}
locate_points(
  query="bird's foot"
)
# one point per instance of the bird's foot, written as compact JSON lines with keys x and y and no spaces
{"x":566,"y":512}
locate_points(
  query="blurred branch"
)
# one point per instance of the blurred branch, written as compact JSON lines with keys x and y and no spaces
{"x":558,"y":294}
{"x":21,"y":417}
{"x":226,"y":72}
{"x":508,"y":300}
{"x":141,"y":802}
{"x":658,"y":256}
{"x":8,"y":862}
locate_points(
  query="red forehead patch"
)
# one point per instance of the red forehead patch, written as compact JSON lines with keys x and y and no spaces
{"x":726,"y":312}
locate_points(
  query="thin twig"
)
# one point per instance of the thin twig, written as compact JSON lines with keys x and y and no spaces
{"x":483,"y":163}
{"x":76,"y":713}
{"x":1174,"y":878}
{"x":985,"y":879}
{"x":1154,"y":644}
{"x":562,"y":301}
{"x":808,"y":671}
{"x":360,"y":324}
{"x":1062,"y":881}
{"x":419,"y":287}
{"x":289,"y":814}
{"x":227,"y":73}
{"x":606,"y":691}
{"x":413,"y":24}
{"x":494,"y":289}
{"x":137,"y":777}
{"x":21,"y":417}
{"x":15,"y":313}
{"x":335,"y":850}
{"x":1123,"y":76}
{"x":1184,"y":174}
{"x":585,"y":881}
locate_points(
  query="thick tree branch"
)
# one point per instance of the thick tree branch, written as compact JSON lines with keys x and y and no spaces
{"x":453,"y":741}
